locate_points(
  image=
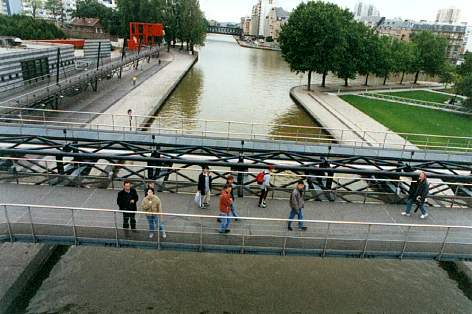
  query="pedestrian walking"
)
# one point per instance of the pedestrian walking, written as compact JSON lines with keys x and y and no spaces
{"x":417,"y":194}
{"x":234,"y":211}
{"x":204,"y":187}
{"x":225,"y":209}
{"x":127,"y":200}
{"x":264,"y":180}
{"x":152,"y":204}
{"x":297,"y":204}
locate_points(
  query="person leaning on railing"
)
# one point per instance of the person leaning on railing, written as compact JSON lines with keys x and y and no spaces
{"x":417,"y":194}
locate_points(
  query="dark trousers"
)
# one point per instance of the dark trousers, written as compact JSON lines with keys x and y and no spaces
{"x":263,"y":196}
{"x":128,"y":219}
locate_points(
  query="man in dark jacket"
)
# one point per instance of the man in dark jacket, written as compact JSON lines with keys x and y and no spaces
{"x":297,"y":203}
{"x":127,"y":200}
{"x":204,"y":187}
{"x":417,"y":194}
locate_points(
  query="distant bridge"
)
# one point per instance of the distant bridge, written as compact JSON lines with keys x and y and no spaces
{"x":237,"y":31}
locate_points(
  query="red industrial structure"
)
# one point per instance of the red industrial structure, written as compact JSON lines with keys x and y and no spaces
{"x":144,"y":34}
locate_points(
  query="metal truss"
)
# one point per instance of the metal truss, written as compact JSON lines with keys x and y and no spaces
{"x":175,"y":168}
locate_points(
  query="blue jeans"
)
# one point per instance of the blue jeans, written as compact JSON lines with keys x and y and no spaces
{"x":409,"y":205}
{"x":225,"y":221}
{"x":154,"y":221}
{"x":234,"y":210}
{"x":292,"y":215}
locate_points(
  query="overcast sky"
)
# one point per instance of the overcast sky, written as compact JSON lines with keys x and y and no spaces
{"x":233,"y":10}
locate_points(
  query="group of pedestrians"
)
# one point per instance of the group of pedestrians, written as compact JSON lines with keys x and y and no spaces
{"x":127,"y":201}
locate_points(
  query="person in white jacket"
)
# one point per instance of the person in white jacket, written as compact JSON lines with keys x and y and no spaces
{"x":265,"y":187}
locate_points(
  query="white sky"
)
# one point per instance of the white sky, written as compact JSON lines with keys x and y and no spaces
{"x":233,"y":10}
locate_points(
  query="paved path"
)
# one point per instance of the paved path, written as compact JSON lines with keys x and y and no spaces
{"x":147,"y":98}
{"x":258,"y":236}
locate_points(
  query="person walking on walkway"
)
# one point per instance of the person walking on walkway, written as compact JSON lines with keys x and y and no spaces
{"x":204,"y":187}
{"x":297,"y":203}
{"x":127,"y":200}
{"x":225,"y":209}
{"x":417,"y":194}
{"x":265,"y":185}
{"x":152,"y":204}
{"x":234,"y":211}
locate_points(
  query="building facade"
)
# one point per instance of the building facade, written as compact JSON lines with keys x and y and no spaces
{"x":246,"y":25}
{"x":363,"y":10}
{"x":396,"y":28}
{"x":275,"y":19}
{"x":454,"y":33}
{"x":86,"y":28}
{"x":265,"y":7}
{"x":33,"y":62}
{"x":11,"y":7}
{"x":449,"y":15}
{"x":255,"y":19}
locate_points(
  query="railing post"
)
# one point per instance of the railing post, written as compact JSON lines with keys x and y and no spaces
{"x":10,"y":233}
{"x":116,"y":230}
{"x":326,"y":241}
{"x":158,"y":226}
{"x":405,"y":243}
{"x":73,"y":227}
{"x":454,"y":196}
{"x":284,"y":252}
{"x":201,"y":235}
{"x":243,"y":246}
{"x":443,"y":244}
{"x":32,"y":226}
{"x":366,"y":241}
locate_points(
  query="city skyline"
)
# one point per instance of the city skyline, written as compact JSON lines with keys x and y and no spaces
{"x":232,"y":11}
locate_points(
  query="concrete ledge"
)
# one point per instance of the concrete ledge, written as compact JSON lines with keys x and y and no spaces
{"x":19,"y":264}
{"x":466,"y":269}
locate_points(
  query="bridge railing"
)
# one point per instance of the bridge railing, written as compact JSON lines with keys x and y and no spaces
{"x":208,"y":128}
{"x":182,"y":178}
{"x":189,"y":232}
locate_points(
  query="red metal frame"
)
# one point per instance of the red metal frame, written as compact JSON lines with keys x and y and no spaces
{"x":144,"y":34}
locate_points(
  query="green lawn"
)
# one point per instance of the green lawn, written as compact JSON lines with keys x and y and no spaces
{"x":408,"y":119}
{"x":421,"y":95}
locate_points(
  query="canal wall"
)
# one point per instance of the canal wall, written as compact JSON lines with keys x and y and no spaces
{"x":19,"y":265}
{"x":147,"y":98}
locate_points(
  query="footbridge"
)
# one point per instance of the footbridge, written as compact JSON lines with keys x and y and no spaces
{"x":77,"y":216}
{"x":236,"y":31}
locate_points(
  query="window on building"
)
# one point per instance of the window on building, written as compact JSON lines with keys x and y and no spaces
{"x":34,"y":68}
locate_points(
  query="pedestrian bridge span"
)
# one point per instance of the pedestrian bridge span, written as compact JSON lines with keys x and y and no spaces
{"x":75,"y":216}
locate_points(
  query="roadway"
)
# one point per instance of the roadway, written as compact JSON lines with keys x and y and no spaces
{"x":251,"y":236}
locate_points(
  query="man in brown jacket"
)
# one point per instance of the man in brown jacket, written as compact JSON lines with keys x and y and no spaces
{"x":297,"y":203}
{"x":225,"y":209}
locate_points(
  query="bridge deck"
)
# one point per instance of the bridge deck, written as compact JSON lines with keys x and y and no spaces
{"x":252,"y":236}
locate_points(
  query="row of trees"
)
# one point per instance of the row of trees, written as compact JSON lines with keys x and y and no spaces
{"x":461,"y":76}
{"x":323,"y":38}
{"x":183,"y":19}
{"x":27,"y":27}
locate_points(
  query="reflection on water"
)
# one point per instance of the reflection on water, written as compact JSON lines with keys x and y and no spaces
{"x":231,"y":83}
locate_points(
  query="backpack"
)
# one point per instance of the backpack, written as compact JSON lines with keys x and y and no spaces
{"x":260,"y":178}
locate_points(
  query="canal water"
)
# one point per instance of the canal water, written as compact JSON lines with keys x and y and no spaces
{"x":237,"y":84}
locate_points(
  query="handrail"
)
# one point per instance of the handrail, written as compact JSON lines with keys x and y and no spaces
{"x":189,"y":120}
{"x":333,"y":222}
{"x":223,"y":171}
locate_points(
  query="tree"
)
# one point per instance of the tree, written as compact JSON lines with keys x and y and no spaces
{"x":350,"y":62}
{"x":369,"y":55}
{"x":27,"y":27}
{"x":464,"y":87}
{"x":35,"y":5}
{"x":385,"y":64}
{"x":466,"y":67}
{"x":448,"y":73}
{"x":56,"y":8}
{"x":430,"y":53}
{"x":403,"y":56}
{"x":108,"y":17}
{"x":314,"y":39}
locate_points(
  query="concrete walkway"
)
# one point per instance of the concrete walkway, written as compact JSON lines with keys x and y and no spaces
{"x":147,"y":98}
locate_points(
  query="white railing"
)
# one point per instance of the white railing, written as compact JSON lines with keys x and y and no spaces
{"x":233,"y":129}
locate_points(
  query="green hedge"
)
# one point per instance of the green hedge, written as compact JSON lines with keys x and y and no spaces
{"x":25,"y":27}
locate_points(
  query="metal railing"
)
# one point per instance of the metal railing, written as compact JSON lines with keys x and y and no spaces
{"x":419,"y":103}
{"x":234,"y":129}
{"x":183,"y":179}
{"x":195,"y":232}
{"x":54,"y":89}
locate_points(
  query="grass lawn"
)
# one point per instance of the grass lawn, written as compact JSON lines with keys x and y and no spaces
{"x":421,"y":95}
{"x":408,"y":119}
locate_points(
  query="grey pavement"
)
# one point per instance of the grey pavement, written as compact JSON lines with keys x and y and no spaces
{"x":253,"y":234}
